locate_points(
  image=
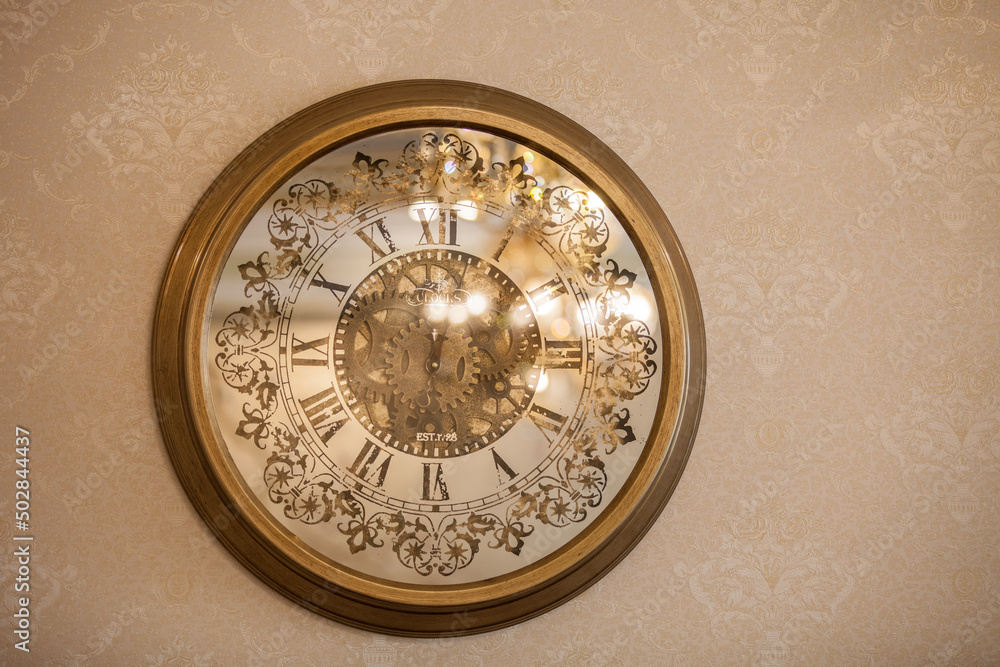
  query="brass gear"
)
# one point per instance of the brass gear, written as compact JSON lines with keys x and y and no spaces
{"x":448,"y":385}
{"x":365,"y":330}
{"x":502,"y":347}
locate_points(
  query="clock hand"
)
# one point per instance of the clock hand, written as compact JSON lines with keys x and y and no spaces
{"x":437,"y":344}
{"x":433,"y":365}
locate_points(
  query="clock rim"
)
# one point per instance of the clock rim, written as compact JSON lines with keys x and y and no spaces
{"x":283,"y":561}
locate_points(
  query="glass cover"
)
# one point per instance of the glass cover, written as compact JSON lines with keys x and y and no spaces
{"x":434,"y":356}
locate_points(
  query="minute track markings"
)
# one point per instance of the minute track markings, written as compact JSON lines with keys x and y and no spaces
{"x":390,"y":279}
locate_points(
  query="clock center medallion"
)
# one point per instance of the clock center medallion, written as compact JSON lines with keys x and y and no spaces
{"x":438,"y":351}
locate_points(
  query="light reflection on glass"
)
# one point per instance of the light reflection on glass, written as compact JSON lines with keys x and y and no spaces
{"x":545,"y":308}
{"x":467,"y":210}
{"x":477,"y":304}
{"x":436,"y":312}
{"x":543,"y":382}
{"x":561,"y":327}
{"x":638,"y":307}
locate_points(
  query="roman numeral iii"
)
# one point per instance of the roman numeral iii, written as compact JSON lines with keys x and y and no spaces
{"x":562,"y":354}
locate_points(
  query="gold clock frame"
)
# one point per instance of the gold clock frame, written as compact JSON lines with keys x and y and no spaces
{"x":238,"y":520}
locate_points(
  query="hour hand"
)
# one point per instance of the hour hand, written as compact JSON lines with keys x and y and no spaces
{"x":437,"y":343}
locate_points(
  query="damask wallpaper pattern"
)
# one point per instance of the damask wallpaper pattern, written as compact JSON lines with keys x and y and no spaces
{"x":832,"y":168}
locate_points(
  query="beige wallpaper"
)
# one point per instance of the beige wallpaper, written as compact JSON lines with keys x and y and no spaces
{"x":832,"y":168}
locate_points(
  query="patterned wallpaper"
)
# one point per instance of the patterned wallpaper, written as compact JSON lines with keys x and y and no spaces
{"x":832,"y":168}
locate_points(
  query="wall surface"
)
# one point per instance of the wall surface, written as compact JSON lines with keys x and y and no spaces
{"x":832,"y":168}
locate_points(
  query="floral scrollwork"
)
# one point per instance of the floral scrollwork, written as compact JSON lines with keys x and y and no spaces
{"x":251,"y":326}
{"x":420,"y":546}
{"x":613,"y":429}
{"x":310,"y":500}
{"x":627,"y":342}
{"x":245,"y":371}
{"x":627,"y":372}
{"x":579,"y":225}
{"x":581,"y":483}
{"x":318,"y":204}
{"x":449,"y":161}
{"x":514,"y":182}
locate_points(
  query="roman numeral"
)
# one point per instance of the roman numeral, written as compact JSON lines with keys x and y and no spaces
{"x":336,"y":289}
{"x":365,"y":234}
{"x":562,"y":354}
{"x":504,"y":240}
{"x":542,"y":294}
{"x":447,"y":227}
{"x":434,"y":486}
{"x":323,"y":410}
{"x":503,"y":469}
{"x":372,"y":464}
{"x":313,"y":353}
{"x":549,"y":422}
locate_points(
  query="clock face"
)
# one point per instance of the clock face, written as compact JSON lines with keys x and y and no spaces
{"x":434,"y":355}
{"x":428,"y":358}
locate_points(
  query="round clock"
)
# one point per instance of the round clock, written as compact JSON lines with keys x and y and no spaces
{"x":428,"y":358}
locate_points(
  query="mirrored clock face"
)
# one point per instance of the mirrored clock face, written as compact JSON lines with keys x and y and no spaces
{"x":434,"y":356}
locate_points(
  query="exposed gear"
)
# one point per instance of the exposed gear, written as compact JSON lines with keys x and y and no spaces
{"x":503,"y":347}
{"x":364,"y":332}
{"x":438,"y":353}
{"x":453,"y":376}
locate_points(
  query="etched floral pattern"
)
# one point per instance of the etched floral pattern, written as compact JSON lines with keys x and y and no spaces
{"x":768,"y":283}
{"x":770,"y":588}
{"x":949,"y":432}
{"x":379,"y":33}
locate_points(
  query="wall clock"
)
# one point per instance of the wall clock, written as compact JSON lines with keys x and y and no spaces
{"x":428,"y":358}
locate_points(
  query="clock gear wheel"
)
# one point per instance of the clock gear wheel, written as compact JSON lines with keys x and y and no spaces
{"x":502,"y":348}
{"x":416,"y":385}
{"x":366,"y":330}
